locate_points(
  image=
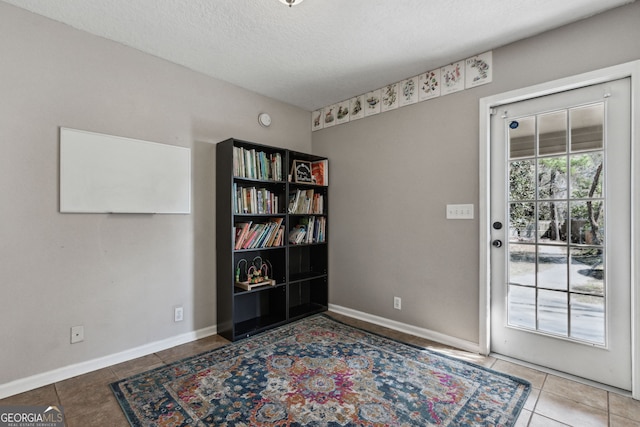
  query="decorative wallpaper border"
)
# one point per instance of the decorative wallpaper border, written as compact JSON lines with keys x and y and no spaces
{"x":471,"y":72}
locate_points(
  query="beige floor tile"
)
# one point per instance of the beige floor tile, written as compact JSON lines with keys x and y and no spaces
{"x":617,"y":421}
{"x":577,"y":392}
{"x":191,"y":349}
{"x":209,"y":343}
{"x":108,"y":414}
{"x":530,"y":404}
{"x":87,"y":393}
{"x":624,"y":406}
{"x":86,"y":401}
{"x":569,"y":412}
{"x":101,"y":376}
{"x":136,"y":366}
{"x":43,"y":396}
{"x":536,"y":378}
{"x":478,"y":359}
{"x":177,"y":353}
{"x":523,"y":419}
{"x":540,"y":421}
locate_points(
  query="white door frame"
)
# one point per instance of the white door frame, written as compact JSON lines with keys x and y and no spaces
{"x":629,"y":69}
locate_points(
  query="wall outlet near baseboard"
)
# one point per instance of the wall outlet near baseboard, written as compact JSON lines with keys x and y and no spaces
{"x":77,"y":334}
{"x":178,"y":314}
{"x":397,"y":303}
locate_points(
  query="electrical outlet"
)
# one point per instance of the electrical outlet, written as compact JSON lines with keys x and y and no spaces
{"x":178,"y":314}
{"x":77,"y":334}
{"x":397,"y":303}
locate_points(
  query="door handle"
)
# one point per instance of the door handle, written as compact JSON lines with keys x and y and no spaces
{"x":497,"y":243}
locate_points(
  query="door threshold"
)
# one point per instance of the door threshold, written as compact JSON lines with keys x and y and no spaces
{"x":564,"y":375}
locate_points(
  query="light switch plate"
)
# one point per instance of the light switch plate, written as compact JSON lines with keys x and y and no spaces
{"x":460,"y":211}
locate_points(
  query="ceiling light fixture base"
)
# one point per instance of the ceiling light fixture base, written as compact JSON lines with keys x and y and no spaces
{"x":291,"y":2}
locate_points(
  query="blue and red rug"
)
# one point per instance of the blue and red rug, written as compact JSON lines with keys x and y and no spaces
{"x":320,"y":372}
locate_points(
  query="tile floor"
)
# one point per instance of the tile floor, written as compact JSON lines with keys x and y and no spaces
{"x":554,"y":401}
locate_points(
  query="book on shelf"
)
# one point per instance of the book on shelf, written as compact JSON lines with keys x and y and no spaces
{"x":308,"y":230}
{"x":306,"y":202}
{"x":297,"y":234}
{"x":241,"y":229}
{"x":317,"y":205}
{"x":252,"y":200}
{"x":252,"y":164}
{"x":249,"y":235}
{"x":320,"y":172}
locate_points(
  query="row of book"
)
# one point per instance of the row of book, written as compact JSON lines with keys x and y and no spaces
{"x":249,"y":235}
{"x":306,"y":202}
{"x":320,"y":172}
{"x":309,"y":230}
{"x":252,"y":200}
{"x":249,"y":163}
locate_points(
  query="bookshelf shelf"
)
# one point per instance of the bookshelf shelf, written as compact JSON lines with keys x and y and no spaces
{"x":274,"y":248}
{"x":301,"y":277}
{"x":254,"y":181}
{"x":238,"y":291}
{"x":254,"y":222}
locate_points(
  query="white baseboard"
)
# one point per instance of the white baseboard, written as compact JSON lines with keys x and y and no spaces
{"x":409,"y":329}
{"x":66,"y":372}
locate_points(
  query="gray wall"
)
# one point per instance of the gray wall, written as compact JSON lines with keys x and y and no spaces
{"x":121,"y":275}
{"x":392,"y":175}
{"x":118,"y":275}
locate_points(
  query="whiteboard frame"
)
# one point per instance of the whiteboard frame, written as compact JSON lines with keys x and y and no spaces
{"x":101,"y":173}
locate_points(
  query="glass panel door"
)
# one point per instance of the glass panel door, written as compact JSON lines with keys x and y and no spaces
{"x":556,"y":262}
{"x":560,"y":201}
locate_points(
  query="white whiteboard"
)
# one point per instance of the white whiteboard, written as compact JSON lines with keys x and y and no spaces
{"x":110,"y":174}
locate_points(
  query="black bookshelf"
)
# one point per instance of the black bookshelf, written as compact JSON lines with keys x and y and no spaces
{"x":297,"y":271}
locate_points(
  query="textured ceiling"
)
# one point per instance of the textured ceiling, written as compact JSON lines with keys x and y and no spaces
{"x":321,"y":51}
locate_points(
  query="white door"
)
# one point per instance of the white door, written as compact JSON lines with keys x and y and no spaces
{"x":560,"y":229}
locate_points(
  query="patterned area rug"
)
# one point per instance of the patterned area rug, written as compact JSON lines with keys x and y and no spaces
{"x":320,"y":372}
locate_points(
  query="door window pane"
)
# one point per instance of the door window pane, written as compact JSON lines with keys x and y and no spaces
{"x":587,"y":222}
{"x":552,"y":312}
{"x":522,"y":222}
{"x":552,"y":267}
{"x":522,"y":140}
{"x":586,"y":175}
{"x":552,"y":133}
{"x":587,"y":127}
{"x":522,"y":265}
{"x":552,"y":222}
{"x":522,"y":184}
{"x":522,"y":307}
{"x":587,"y":318}
{"x":586,"y":273}
{"x":552,"y":178}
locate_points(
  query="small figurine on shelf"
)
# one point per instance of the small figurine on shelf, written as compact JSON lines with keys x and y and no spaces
{"x":265,"y":269}
{"x":254,"y":275}
{"x":257,"y":273}
{"x":241,"y":273}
